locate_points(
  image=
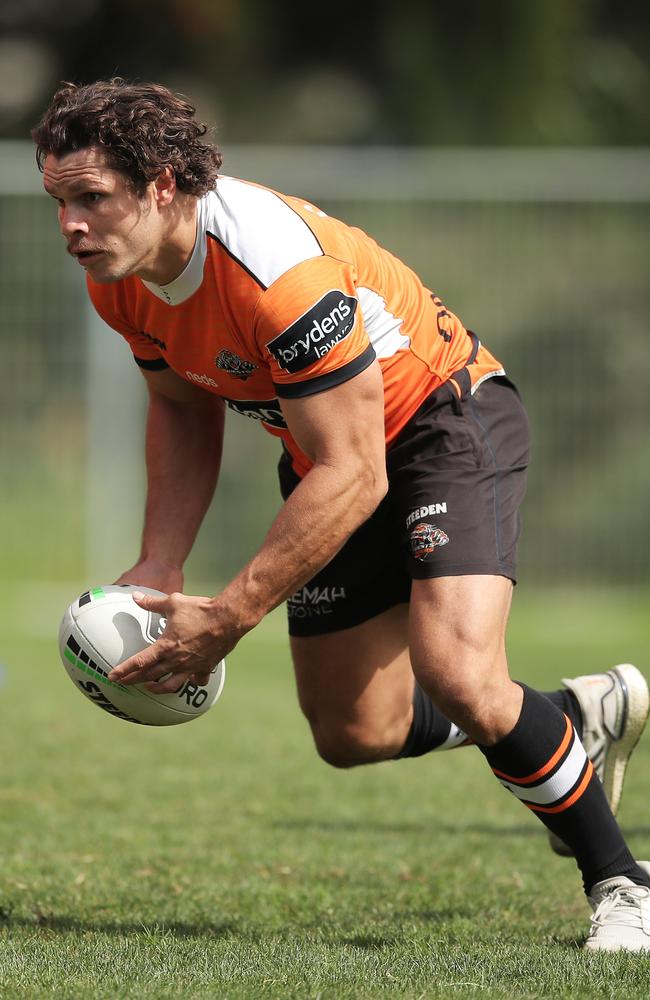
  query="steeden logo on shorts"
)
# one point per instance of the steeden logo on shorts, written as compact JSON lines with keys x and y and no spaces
{"x":316,"y":332}
{"x":430,"y":510}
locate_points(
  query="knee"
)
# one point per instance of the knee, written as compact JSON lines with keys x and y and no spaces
{"x":485,"y":707}
{"x":349,"y":745}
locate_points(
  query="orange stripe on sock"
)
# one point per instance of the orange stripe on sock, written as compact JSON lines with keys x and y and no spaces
{"x":570,"y":801}
{"x":550,"y":764}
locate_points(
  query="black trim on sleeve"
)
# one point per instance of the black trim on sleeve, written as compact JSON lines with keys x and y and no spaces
{"x":476,"y":343}
{"x":297,"y":390}
{"x":151,"y":364}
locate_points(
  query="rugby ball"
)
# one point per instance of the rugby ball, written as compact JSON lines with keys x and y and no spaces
{"x":105,"y":626}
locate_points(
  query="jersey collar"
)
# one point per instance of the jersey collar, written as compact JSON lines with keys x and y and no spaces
{"x":190,"y":278}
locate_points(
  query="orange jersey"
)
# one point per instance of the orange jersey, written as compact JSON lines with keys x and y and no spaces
{"x":280,"y":300}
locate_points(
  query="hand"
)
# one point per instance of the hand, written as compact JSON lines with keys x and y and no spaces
{"x":193,"y":643}
{"x":154,"y":574}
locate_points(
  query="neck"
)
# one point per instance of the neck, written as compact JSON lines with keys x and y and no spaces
{"x":177,"y":243}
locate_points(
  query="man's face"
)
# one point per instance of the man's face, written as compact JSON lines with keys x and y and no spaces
{"x":111,"y":231}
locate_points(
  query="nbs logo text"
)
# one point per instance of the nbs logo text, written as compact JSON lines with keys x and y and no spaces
{"x":316,"y":332}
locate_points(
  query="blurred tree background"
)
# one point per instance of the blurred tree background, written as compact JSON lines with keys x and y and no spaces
{"x":473,"y":72}
{"x":381,"y":109}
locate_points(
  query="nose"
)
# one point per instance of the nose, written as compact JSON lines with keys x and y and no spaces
{"x":72,"y":222}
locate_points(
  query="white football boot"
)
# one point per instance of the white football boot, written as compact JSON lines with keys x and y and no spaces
{"x":621,"y":915}
{"x":614,"y":710}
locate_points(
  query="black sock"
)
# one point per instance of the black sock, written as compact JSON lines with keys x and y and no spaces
{"x":543,"y":762}
{"x":567,"y":702}
{"x":430,"y":729}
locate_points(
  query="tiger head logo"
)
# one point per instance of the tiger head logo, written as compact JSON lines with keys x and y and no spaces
{"x":425,"y":538}
{"x":232,"y":365}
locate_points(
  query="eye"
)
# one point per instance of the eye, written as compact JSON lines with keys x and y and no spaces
{"x":92,"y":197}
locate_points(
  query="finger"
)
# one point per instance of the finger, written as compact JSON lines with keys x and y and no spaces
{"x":135,"y":668}
{"x":159,"y":672}
{"x":202,"y":679}
{"x":149,"y":602}
{"x":169,"y":683}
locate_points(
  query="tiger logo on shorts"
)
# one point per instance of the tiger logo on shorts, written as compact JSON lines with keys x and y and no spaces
{"x":425,"y":538}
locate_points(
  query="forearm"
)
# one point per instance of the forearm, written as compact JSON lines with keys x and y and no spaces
{"x":342,"y":432}
{"x":314,"y":523}
{"x":183,"y":455}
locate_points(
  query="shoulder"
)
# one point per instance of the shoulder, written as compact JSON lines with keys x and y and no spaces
{"x":261,"y":229}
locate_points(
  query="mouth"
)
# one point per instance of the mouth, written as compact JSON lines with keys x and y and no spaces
{"x":86,"y":256}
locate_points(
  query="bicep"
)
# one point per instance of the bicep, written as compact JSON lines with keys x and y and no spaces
{"x":343,"y":423}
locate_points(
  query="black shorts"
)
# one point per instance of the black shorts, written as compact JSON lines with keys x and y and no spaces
{"x":457,"y":477}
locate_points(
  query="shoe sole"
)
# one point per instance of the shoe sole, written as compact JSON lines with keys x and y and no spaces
{"x":637,"y":706}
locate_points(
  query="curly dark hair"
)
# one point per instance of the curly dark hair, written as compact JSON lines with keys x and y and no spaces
{"x":141,"y":128}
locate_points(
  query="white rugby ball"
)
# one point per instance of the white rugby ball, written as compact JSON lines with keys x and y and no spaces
{"x":105,"y":626}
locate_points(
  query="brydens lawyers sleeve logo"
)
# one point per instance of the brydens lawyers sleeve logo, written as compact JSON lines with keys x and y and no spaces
{"x":316,"y":332}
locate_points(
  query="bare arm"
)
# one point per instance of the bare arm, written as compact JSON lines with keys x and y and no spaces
{"x":184,"y":438}
{"x":342,"y":431}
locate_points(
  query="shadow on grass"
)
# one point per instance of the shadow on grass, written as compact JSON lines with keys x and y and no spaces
{"x":377,"y":942}
{"x":370,"y":942}
{"x":455,"y":829}
{"x":68,"y":925}
{"x":62,"y":925}
{"x":357,"y":826}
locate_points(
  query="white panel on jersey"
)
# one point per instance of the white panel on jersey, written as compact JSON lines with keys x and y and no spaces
{"x":259,"y":229}
{"x":384,"y":329}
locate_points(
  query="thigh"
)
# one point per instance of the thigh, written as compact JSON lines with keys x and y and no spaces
{"x":360,"y":677}
{"x":458,"y":476}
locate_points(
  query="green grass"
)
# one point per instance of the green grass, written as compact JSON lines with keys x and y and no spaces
{"x":223,"y":859}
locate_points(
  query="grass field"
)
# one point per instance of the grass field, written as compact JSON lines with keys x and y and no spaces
{"x":223,"y":859}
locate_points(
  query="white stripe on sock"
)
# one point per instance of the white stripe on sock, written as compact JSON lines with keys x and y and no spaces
{"x":557,"y":786}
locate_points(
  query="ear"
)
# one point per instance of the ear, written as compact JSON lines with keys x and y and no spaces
{"x":164,"y":187}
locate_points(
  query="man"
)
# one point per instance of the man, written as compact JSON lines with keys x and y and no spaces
{"x":404,"y":457}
